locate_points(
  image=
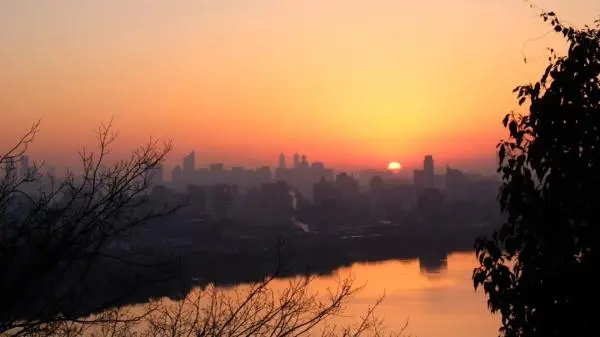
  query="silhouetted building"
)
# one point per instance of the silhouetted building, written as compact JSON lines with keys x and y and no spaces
{"x":456,"y":184}
{"x":219,"y":200}
{"x":177,"y":175}
{"x":376,"y":185}
{"x":156,"y":176}
{"x":317,"y":171}
{"x":239,"y":176}
{"x":329,"y":175}
{"x":281,"y":161}
{"x":189,"y":166}
{"x":282,"y":174}
{"x":347,"y":185}
{"x":296,"y":160}
{"x":428,"y":169}
{"x":324,"y":192}
{"x":419,"y":179}
{"x":304,"y":161}
{"x":217,"y":167}
{"x":263,"y":175}
{"x":425,"y":178}
{"x":276,"y":202}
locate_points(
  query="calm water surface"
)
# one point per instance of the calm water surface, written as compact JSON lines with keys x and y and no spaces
{"x":435,"y":295}
{"x":437,"y":299}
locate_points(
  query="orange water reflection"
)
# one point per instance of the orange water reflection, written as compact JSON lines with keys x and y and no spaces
{"x":437,"y":297}
{"x":436,"y":301}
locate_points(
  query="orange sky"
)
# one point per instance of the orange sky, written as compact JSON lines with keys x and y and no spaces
{"x":355,"y":83}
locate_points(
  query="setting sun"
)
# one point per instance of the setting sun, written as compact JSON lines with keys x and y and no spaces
{"x":394,"y":166}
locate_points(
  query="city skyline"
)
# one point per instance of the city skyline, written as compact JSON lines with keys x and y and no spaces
{"x":350,"y":84}
{"x":173,"y":164}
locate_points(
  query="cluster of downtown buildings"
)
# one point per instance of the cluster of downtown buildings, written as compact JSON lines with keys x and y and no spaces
{"x":300,"y":174}
{"x":309,"y":178}
{"x":315,"y":194}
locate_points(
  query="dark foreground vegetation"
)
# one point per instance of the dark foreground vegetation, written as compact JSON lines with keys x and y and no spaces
{"x":539,"y":269}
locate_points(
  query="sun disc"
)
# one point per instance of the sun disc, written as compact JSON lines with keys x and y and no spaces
{"x":394,"y":166}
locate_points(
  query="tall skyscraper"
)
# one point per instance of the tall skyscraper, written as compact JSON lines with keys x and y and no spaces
{"x":296,"y":159}
{"x":282,"y":161}
{"x":189,"y":166}
{"x":429,"y":172}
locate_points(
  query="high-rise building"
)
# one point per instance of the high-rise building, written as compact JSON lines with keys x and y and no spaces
{"x":428,"y":164}
{"x":189,"y":166}
{"x":317,"y":171}
{"x":429,"y":172}
{"x":296,"y":160}
{"x":304,"y":161}
{"x":281,"y":161}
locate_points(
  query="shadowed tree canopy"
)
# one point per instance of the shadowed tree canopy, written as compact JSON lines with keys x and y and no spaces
{"x":55,"y":233}
{"x":538,"y":270}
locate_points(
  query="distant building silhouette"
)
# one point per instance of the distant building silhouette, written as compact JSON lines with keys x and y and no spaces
{"x":347,"y":185}
{"x":156,"y":176}
{"x":376,"y":185}
{"x":324,"y":192}
{"x":262,"y":175}
{"x":456,"y":183}
{"x":425,"y":178}
{"x":189,"y":166}
{"x":317,"y":171}
{"x":428,"y":168}
{"x":296,"y":160}
{"x":177,"y":175}
{"x":281,"y":161}
{"x":216,"y":167}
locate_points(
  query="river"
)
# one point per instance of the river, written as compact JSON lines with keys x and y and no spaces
{"x":435,"y":295}
{"x":437,"y":300}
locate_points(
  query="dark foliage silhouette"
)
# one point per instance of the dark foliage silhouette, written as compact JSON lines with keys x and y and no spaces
{"x":53,"y":232}
{"x":538,"y":269}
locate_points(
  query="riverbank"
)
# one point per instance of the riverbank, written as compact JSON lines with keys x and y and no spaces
{"x":229,"y":260}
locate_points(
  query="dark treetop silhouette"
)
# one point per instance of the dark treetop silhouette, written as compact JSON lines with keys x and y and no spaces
{"x":54,"y":231}
{"x":538,"y":269}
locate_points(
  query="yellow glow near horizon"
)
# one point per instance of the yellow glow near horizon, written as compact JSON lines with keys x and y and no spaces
{"x":349,"y":82}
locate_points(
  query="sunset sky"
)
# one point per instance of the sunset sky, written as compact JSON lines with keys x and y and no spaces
{"x":354,"y":83}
